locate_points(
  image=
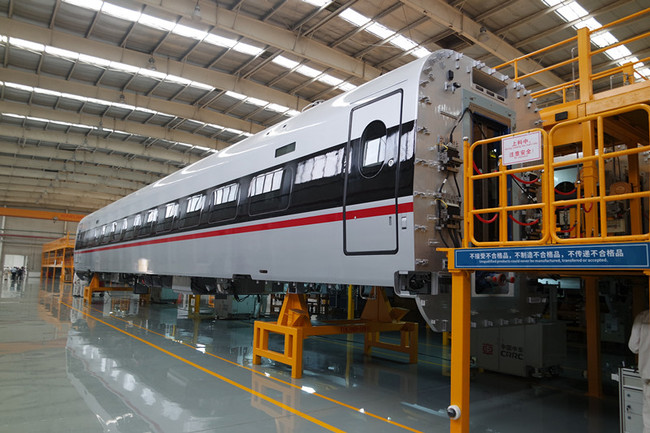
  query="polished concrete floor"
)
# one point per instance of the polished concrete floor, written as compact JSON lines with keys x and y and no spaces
{"x":121,"y":367}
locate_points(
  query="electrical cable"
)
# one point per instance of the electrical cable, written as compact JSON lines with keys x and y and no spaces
{"x":532,"y":223}
{"x":564,"y":193}
{"x":483,"y":220}
{"x":525,"y":182}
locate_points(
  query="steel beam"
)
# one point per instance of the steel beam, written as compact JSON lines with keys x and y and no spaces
{"x":177,"y":109}
{"x":96,"y":181}
{"x":88,"y":146}
{"x":448,"y":16}
{"x":109,"y":123}
{"x":165,"y":65}
{"x":89,"y":162}
{"x":40,"y":214}
{"x":267,"y":34}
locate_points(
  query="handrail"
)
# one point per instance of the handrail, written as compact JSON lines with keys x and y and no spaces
{"x":585,"y":55}
{"x":596,"y":162}
{"x":589,"y":195}
{"x":504,"y":210}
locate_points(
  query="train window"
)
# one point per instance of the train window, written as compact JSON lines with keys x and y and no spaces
{"x":105,"y":235}
{"x":171,"y":210}
{"x":195,"y":203}
{"x":224,"y":203}
{"x":130,"y":231}
{"x":373,"y":142}
{"x":266,"y":182}
{"x":168,"y":216}
{"x":226,"y":194}
{"x":149,"y":220}
{"x":320,"y":166}
{"x":270,"y":191}
{"x":113,"y":227}
{"x":125,"y":224}
{"x":152,"y":214}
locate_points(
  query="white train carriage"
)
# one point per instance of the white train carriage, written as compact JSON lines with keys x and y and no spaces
{"x":360,"y":189}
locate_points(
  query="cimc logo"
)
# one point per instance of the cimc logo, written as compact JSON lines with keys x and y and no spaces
{"x":512,"y":352}
{"x":488,"y":349}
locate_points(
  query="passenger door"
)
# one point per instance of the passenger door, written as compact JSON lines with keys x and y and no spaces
{"x":371,"y":177}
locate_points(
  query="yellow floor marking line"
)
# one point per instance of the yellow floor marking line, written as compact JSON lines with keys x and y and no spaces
{"x":340,"y":403}
{"x":218,"y":376}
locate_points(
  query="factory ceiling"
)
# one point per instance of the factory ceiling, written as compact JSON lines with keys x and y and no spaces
{"x":101,"y":97}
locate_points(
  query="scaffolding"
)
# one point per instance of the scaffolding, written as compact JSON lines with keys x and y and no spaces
{"x":57,"y":263}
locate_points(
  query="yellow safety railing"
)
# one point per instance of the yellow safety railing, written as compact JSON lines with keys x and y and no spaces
{"x":584,"y":57}
{"x":591,"y":194}
{"x":504,"y":211}
{"x":595,"y":163}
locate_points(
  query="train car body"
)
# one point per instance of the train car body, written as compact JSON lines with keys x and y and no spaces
{"x":360,"y":189}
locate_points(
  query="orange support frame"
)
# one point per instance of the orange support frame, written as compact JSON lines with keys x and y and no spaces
{"x":95,"y":286}
{"x":295,"y":325}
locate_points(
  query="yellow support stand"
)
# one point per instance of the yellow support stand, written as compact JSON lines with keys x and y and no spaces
{"x":295,"y":325}
{"x":95,"y":286}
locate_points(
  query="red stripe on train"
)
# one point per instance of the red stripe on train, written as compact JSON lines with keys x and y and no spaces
{"x":318,"y":219}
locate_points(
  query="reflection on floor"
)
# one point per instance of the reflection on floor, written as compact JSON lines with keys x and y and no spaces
{"x":123,"y":367}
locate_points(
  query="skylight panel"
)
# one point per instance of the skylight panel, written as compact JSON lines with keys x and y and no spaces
{"x":92,"y":60}
{"x":590,"y":23}
{"x":201,"y":86}
{"x":421,"y":52}
{"x":571,"y":11}
{"x":354,"y":17}
{"x":277,"y":108}
{"x":59,"y":52}
{"x":152,"y":74}
{"x":403,"y":42}
{"x":123,"y":67}
{"x":27,"y":45}
{"x":256,"y":101}
{"x":292,"y":113}
{"x":220,"y":41}
{"x":619,"y":52}
{"x":157,"y":23}
{"x":248,"y":49}
{"x":189,"y":32}
{"x":49,"y":92}
{"x":19,"y":87}
{"x":120,"y":12}
{"x":380,"y":30}
{"x":604,"y":39}
{"x":284,"y":62}
{"x":318,"y":3}
{"x":346,"y":87}
{"x":235,"y":95}
{"x":178,"y":80}
{"x":328,"y":79}
{"x":307,"y":71}
{"x":94,"y":5}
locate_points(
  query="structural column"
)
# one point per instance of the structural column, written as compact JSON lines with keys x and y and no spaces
{"x":460,"y":350}
{"x":592,"y":318}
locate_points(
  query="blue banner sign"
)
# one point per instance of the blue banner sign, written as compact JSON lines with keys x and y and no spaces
{"x":594,"y":256}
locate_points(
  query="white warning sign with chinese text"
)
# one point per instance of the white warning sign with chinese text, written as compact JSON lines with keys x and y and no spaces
{"x":522,"y":148}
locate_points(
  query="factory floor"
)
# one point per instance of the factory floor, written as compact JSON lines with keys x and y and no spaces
{"x":122,"y":367}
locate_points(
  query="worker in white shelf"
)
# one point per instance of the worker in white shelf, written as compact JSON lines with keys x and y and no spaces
{"x":640,"y":344}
